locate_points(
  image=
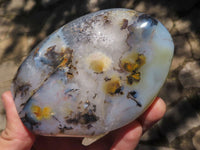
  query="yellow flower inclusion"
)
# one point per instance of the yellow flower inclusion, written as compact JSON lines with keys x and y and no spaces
{"x":40,"y":114}
{"x":132,"y":64}
{"x":111,"y":86}
{"x":99,"y":62}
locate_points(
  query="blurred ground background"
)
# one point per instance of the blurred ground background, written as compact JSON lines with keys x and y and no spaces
{"x":24,"y":23}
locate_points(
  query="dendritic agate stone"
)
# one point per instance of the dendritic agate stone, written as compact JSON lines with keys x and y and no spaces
{"x":94,"y":74}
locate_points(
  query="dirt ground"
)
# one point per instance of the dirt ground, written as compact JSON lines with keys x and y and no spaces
{"x":24,"y":23}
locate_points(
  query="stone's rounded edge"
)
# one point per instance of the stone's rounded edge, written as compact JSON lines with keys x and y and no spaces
{"x":84,"y":18}
{"x":90,"y":15}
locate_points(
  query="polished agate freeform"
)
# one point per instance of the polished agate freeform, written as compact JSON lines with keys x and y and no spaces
{"x":94,"y":74}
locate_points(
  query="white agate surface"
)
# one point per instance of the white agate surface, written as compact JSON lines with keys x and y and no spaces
{"x":93,"y":75}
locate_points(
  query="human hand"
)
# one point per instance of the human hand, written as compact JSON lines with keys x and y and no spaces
{"x":17,"y":137}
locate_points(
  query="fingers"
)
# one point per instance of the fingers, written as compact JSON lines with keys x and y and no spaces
{"x":11,"y":112}
{"x":154,"y":113}
{"x":14,"y":126}
{"x":13,"y":120}
{"x":127,"y":137}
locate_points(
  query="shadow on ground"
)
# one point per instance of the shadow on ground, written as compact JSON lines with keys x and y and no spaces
{"x":47,"y":16}
{"x":37,"y":19}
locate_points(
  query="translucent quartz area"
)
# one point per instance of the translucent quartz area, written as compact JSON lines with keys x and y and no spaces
{"x":94,"y":74}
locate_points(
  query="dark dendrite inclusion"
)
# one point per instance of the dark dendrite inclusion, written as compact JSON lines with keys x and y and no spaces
{"x":94,"y":74}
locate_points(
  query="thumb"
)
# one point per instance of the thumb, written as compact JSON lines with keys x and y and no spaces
{"x":15,"y":131}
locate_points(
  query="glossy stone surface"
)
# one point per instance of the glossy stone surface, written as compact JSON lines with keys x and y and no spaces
{"x":93,"y":75}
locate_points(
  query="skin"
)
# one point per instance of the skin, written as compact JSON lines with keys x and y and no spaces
{"x":16,"y":137}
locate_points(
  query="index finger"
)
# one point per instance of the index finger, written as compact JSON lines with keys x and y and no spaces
{"x":154,"y":113}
